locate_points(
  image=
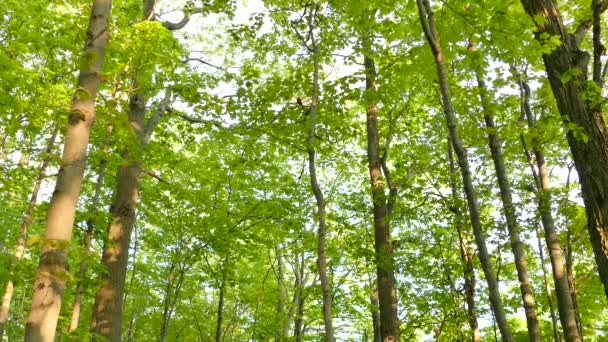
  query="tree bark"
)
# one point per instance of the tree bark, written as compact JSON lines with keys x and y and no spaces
{"x":50,"y":278}
{"x":387,"y":293}
{"x":428,"y":25}
{"x":466,"y":254}
{"x":89,"y":233}
{"x":25,"y":225}
{"x":299,"y":318}
{"x":108,"y":307}
{"x":316,"y":189}
{"x":109,"y":300}
{"x":547,"y":286}
{"x":562,"y":290}
{"x":587,"y":136}
{"x":220,"y":311}
{"x":504,"y":184}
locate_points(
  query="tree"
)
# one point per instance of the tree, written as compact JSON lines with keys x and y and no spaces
{"x":428,"y":25}
{"x":52,"y":269}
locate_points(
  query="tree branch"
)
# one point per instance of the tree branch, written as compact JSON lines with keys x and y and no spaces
{"x":185,"y":20}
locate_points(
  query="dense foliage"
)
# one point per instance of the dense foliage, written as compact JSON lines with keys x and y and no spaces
{"x":225,"y":240}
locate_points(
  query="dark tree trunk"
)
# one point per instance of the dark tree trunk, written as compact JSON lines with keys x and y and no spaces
{"x":387,"y":293}
{"x":49,"y":282}
{"x":589,"y":139}
{"x":428,"y":24}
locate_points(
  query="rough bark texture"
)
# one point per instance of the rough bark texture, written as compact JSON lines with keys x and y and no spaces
{"x":466,"y":254}
{"x":428,"y":24}
{"x":50,"y":278}
{"x":387,"y":293}
{"x":591,"y":156}
{"x":25,"y":225}
{"x":82,"y":271}
{"x":562,"y":290}
{"x":504,"y":184}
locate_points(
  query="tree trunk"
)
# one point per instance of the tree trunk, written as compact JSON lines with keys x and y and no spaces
{"x":375,"y":316}
{"x":562,"y":290}
{"x":572,"y":283}
{"x":466,"y":254}
{"x":171,"y":295}
{"x":220,"y":311}
{"x":316,"y":189}
{"x":280,"y":333}
{"x":50,"y":278}
{"x":25,"y":225}
{"x":588,"y":139}
{"x":387,"y":293}
{"x":504,"y":184}
{"x":299,"y":320}
{"x":109,"y":300}
{"x":547,"y":285}
{"x":428,"y":24}
{"x":91,"y":222}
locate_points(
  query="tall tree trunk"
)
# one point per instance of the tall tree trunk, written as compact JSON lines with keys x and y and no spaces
{"x":547,"y":285}
{"x":428,"y":25}
{"x":589,"y":140}
{"x":316,"y":189}
{"x":280,"y":333}
{"x":220,"y":311}
{"x":109,"y":300}
{"x":562,"y":290}
{"x":299,"y":318}
{"x":91,"y":222}
{"x":504,"y":184}
{"x":174,"y":285}
{"x":572,"y":282}
{"x":25,"y":225}
{"x":466,"y":254}
{"x":50,"y":278}
{"x":387,"y":293}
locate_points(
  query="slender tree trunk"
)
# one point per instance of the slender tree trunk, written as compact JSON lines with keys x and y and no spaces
{"x":375,"y":316}
{"x":132,"y":320}
{"x":299,"y":320}
{"x":547,"y":285}
{"x":50,"y":278}
{"x":387,"y":293}
{"x":173,"y":289}
{"x":466,"y":254}
{"x":280,"y":333}
{"x":572,"y":283}
{"x":562,"y":290}
{"x":91,"y":222}
{"x":220,"y":311}
{"x":517,"y":246}
{"x":25,"y":225}
{"x":428,"y":24}
{"x":316,"y":189}
{"x":589,"y":140}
